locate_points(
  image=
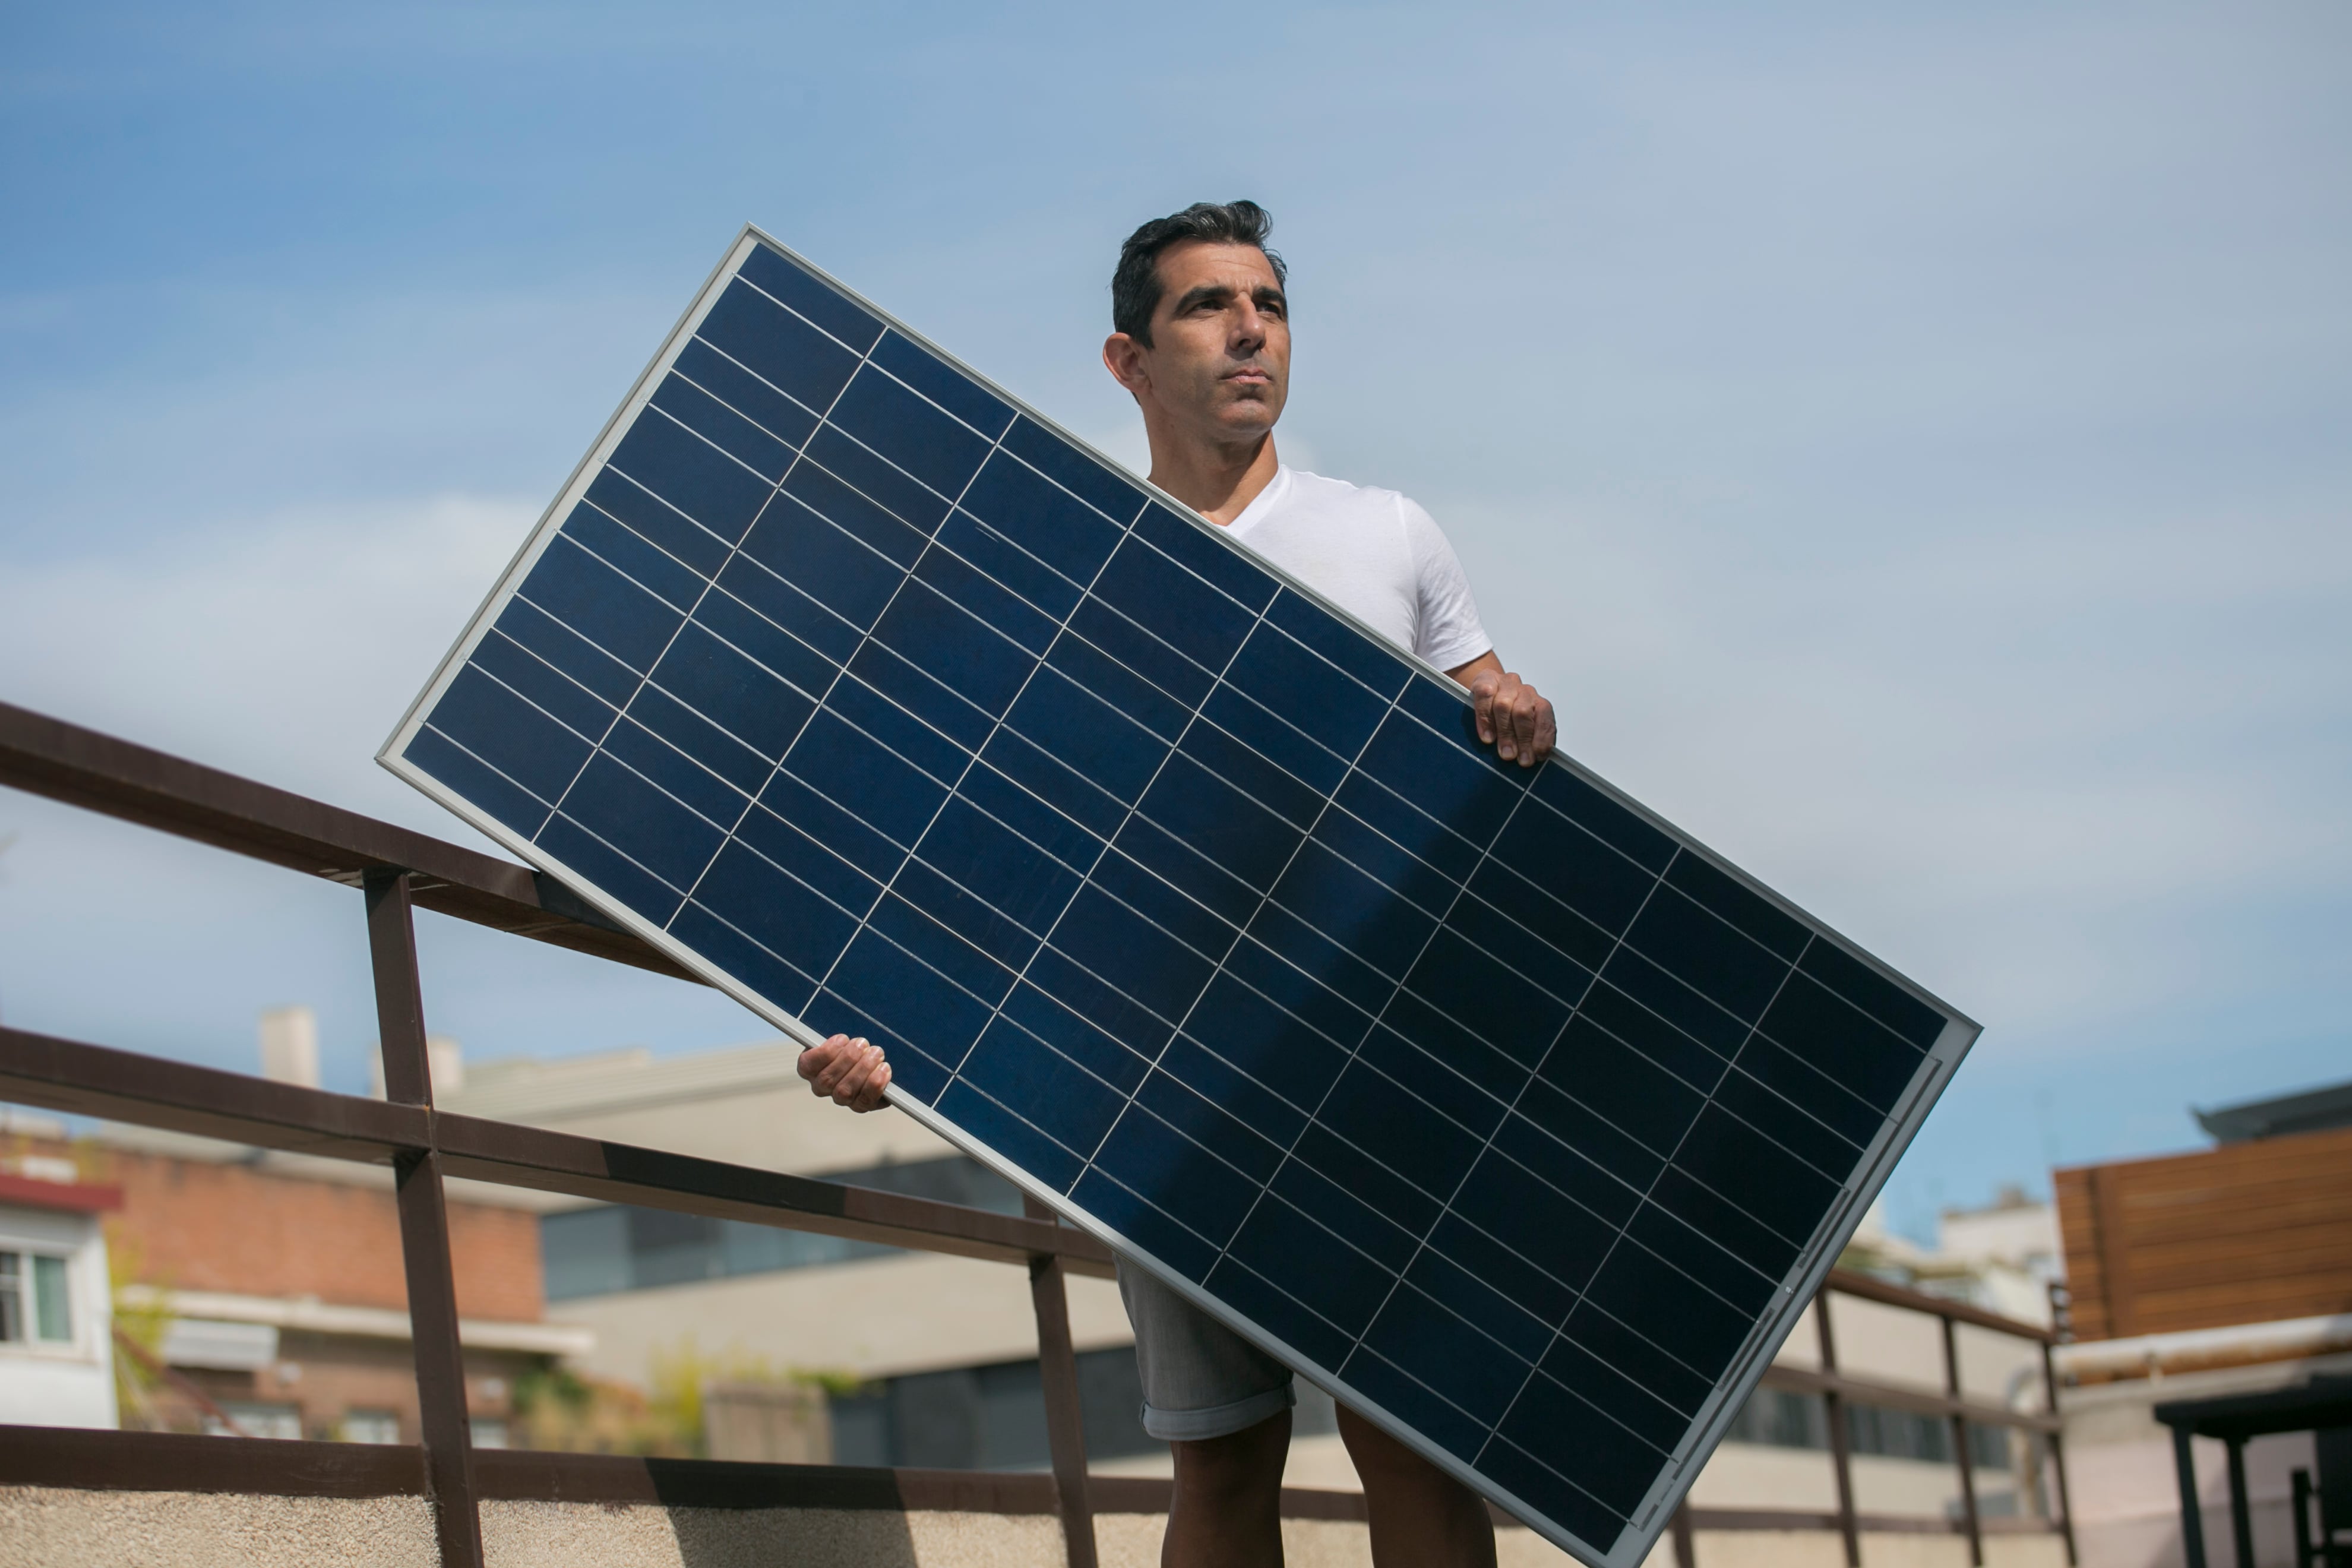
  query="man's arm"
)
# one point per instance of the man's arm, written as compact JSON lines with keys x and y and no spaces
{"x":1512,"y":717}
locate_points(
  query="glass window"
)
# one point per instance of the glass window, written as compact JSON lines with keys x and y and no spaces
{"x":597,"y":1251}
{"x":488,"y":1432}
{"x":258,"y":1420}
{"x":370,"y":1427}
{"x":12,"y":1298}
{"x":53,"y":1304}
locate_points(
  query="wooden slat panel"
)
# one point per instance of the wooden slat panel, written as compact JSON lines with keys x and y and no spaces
{"x":2247,"y":1233}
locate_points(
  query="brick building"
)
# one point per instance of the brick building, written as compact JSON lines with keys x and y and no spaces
{"x":270,"y":1285}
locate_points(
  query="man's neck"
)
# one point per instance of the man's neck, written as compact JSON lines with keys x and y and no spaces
{"x":1217,"y":481}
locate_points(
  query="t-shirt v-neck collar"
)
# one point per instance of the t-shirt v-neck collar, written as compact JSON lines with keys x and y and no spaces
{"x":1263,"y":504}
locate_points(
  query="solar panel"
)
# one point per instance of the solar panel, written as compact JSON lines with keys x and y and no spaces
{"x":1485,"y":1098}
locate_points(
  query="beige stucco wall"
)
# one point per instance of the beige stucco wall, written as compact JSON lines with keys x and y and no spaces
{"x":876,"y":1318}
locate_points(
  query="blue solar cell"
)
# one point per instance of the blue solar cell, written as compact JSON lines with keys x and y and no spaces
{"x":819,"y":865}
{"x":1152,"y":1231}
{"x":746,"y":394}
{"x":1281,"y":744}
{"x":1312,"y":1265}
{"x":776,"y":910}
{"x":1608,"y":1460}
{"x":744,"y":957}
{"x":577,"y":589}
{"x":1500,"y":1318}
{"x":850,"y":769}
{"x":889,"y":487}
{"x":778,"y":347}
{"x":694,"y":734}
{"x":853,"y":512}
{"x":1378,"y":1234}
{"x":1190,"y":1185}
{"x":738,"y":695}
{"x":813,"y":299}
{"x":543,"y":686}
{"x":724,"y":428}
{"x":1000,"y":561}
{"x":1044,"y":1086}
{"x":1277,"y":1314}
{"x":1079,"y":729}
{"x":1078,"y":1038}
{"x":590,"y":859}
{"x":1379,"y":670}
{"x":475,"y":780}
{"x":1119,"y":686}
{"x":654,"y":519}
{"x":1121,"y":639}
{"x":1440,"y":1349}
{"x":1015,"y":1135}
{"x":1173,"y":605}
{"x":1055,"y":527}
{"x":1084,"y":475}
{"x":1218,"y":564}
{"x":944,"y":384}
{"x":1517,"y":1117}
{"x":912,"y":434}
{"x":779,"y":602}
{"x":675,"y":773}
{"x":1823,"y":1029}
{"x":510,"y":734}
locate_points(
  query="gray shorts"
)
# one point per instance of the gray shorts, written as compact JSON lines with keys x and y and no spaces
{"x":1199,"y":1378}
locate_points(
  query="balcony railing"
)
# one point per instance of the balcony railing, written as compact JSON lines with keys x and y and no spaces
{"x":397,"y":871}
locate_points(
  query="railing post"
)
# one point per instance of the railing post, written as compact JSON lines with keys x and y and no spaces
{"x":424,"y":1226}
{"x":1685,"y":1543}
{"x":1960,"y":1455}
{"x":2058,"y":1456}
{"x":1840,"y":1453}
{"x":1058,"y":1376}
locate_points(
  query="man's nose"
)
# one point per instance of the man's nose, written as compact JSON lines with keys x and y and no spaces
{"x":1249,"y":327}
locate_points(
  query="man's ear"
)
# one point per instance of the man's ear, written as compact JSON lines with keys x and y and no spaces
{"x":1123,"y":357}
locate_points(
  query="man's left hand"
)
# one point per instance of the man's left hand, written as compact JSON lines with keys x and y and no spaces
{"x":1512,"y":717}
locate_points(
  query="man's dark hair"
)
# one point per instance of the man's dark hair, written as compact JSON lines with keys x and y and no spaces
{"x":1135,"y":290}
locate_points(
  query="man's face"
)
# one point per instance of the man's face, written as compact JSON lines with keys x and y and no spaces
{"x":1220,"y":356}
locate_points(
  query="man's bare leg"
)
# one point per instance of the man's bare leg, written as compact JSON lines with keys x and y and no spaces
{"x":1227,"y":1510}
{"x":1422,"y":1517}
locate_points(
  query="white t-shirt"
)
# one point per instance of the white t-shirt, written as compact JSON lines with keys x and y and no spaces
{"x":1375,"y":554}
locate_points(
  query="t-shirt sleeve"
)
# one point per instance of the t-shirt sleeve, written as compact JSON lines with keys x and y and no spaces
{"x":1446,"y":629}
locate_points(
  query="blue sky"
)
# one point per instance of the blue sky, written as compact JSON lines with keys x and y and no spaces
{"x":1913,"y":444}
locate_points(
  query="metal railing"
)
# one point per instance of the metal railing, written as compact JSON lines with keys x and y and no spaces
{"x":398,"y":871}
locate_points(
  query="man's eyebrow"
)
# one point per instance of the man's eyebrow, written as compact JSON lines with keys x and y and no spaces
{"x":1206,"y":294}
{"x":1264,"y":295}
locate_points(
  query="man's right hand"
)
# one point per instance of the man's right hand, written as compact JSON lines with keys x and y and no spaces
{"x":849,"y":1072}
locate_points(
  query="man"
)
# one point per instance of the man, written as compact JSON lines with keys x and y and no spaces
{"x":1202,"y":343}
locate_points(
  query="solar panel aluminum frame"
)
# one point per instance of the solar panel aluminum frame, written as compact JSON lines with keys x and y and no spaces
{"x":1803,"y":1278}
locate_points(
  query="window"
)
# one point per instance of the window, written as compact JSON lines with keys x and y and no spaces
{"x":370,"y":1427}
{"x":597,"y":1251}
{"x":488,"y":1432}
{"x":258,"y":1420}
{"x":35,"y":1299}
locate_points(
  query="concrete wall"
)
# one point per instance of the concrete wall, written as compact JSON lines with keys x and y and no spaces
{"x":2120,"y":1464}
{"x":877,"y":1318}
